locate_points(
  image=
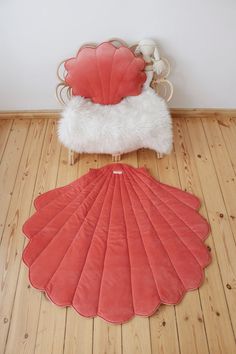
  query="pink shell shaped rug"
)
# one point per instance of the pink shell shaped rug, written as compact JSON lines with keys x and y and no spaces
{"x":116,"y":243}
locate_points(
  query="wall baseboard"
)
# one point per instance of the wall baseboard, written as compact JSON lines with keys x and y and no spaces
{"x":175,"y":112}
{"x":202,"y":112}
{"x":38,"y":114}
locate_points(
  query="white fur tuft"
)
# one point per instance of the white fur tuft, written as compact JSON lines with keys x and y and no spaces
{"x":135,"y":122}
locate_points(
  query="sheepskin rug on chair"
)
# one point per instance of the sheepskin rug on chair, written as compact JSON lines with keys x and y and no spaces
{"x":136,"y":122}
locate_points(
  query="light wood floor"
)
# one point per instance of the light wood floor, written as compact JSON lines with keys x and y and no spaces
{"x":204,"y":163}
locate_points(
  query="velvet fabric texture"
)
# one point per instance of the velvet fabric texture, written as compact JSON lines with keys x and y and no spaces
{"x":116,"y":243}
{"x":106,"y":74}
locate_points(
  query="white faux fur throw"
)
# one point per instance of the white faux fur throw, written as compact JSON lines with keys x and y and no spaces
{"x":135,"y":122}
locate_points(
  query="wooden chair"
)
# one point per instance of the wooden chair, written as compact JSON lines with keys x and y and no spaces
{"x":160,"y":84}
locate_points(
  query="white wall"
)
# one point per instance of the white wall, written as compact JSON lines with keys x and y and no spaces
{"x":199,"y":38}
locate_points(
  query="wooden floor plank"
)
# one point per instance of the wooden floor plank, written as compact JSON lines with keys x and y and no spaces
{"x":227,"y":185}
{"x":25,"y":317}
{"x":163,"y":326}
{"x":190,"y":182}
{"x":107,"y":337}
{"x":228,"y":129}
{"x":216,"y":311}
{"x":191,"y":330}
{"x":223,"y":168}
{"x":5,"y":128}
{"x":12,"y":241}
{"x":52,"y":318}
{"x":56,"y":337}
{"x":9,"y":166}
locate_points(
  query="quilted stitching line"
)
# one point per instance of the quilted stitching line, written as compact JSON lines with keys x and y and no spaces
{"x":77,"y":188}
{"x":93,"y":238}
{"x":127,"y":243}
{"x":159,"y":239}
{"x":99,"y":294}
{"x":38,"y":210}
{"x":127,"y":191}
{"x":69,"y":188}
{"x":77,"y":234}
{"x":73,"y":200}
{"x":169,"y":192}
{"x":194,"y":210}
{"x":174,"y":230}
{"x":162,"y":186}
{"x":58,"y":190}
{"x":31,"y":236}
{"x":58,"y":230}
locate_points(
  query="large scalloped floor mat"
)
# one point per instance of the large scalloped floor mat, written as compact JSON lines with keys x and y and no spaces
{"x":116,"y":243}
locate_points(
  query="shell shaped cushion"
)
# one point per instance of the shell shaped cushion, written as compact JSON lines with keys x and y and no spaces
{"x":105,"y":73}
{"x":116,"y":243}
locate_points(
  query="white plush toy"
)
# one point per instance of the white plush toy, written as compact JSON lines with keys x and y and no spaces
{"x":157,"y":68}
{"x":148,"y":48}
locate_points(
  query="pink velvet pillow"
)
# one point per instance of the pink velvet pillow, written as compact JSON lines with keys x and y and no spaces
{"x":105,"y":73}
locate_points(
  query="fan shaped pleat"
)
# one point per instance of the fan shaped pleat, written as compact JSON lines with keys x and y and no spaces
{"x":146,"y":263}
{"x":53,"y":203}
{"x":58,"y":239}
{"x":178,"y":207}
{"x":115,"y":286}
{"x":115,"y":243}
{"x":172,"y":230}
{"x":43,"y":199}
{"x":79,"y":260}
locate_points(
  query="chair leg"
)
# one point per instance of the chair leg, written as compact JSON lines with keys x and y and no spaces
{"x":71,"y":157}
{"x":116,"y":157}
{"x":160,"y":155}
